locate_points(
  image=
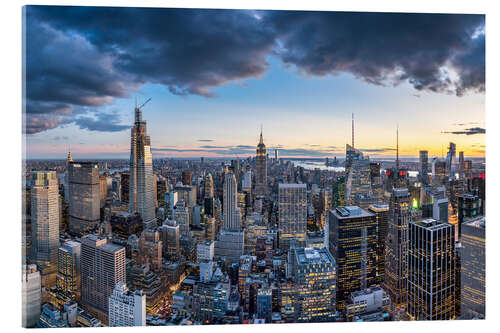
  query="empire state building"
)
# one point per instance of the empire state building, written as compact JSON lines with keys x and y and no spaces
{"x":261,"y":168}
{"x":141,"y":195}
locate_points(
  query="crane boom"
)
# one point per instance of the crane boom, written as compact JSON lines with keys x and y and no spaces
{"x":140,"y":107}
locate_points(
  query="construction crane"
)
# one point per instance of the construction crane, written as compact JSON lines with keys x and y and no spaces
{"x":140,"y":107}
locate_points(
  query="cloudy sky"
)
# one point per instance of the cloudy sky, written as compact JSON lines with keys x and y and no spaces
{"x":216,"y":76}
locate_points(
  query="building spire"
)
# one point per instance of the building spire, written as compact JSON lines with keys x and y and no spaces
{"x":261,"y":141}
{"x":397,"y":146}
{"x":352,"y":135}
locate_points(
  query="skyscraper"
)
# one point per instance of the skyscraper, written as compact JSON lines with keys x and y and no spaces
{"x":127,"y":308}
{"x":358,"y":180}
{"x":431,"y":270}
{"x":209,"y":186}
{"x":66,"y":178}
{"x":451,"y":160}
{"x":261,"y":168}
{"x":353,"y":243}
{"x":44,"y":217}
{"x":314,"y":274}
{"x":141,"y":191}
{"x":424,"y":167}
{"x":102,"y":266}
{"x":84,"y":193}
{"x":382,"y":214}
{"x":396,"y":247}
{"x":230,"y":241}
{"x":231,"y":211}
{"x":150,"y":250}
{"x":68,"y":272}
{"x":461,"y":165}
{"x":292,"y":203}
{"x":473,"y":275}
{"x":31,"y":295}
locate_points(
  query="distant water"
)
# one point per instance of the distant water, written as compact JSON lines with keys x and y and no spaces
{"x":311,"y":165}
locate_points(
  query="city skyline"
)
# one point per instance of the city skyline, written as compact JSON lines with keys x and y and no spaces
{"x":303,"y":103}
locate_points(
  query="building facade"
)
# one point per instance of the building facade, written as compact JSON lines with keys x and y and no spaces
{"x":102,"y":266}
{"x":431,"y":270}
{"x":141,"y":191}
{"x":292,"y":210}
{"x":353,"y":243}
{"x":84,"y":196}
{"x":127,"y":308}
{"x":44,"y":217}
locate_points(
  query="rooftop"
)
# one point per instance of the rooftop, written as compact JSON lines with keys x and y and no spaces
{"x":478,"y":222}
{"x":431,"y":224}
{"x":350,"y":212}
{"x":313,"y":255}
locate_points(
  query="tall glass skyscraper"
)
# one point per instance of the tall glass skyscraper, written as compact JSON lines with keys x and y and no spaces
{"x":84,"y":196}
{"x":141,"y":191}
{"x":292,"y":201}
{"x":473,"y":275}
{"x":261,"y":168}
{"x":431,"y":270}
{"x":353,"y":243}
{"x":396,"y":247}
{"x":45,"y":217}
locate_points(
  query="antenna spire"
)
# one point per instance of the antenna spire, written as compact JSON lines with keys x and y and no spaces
{"x":352,"y":134}
{"x":261,"y":139}
{"x":397,"y":146}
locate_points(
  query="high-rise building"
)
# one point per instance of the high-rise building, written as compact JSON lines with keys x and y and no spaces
{"x":469,"y":206}
{"x":125,"y":186}
{"x":102,"y":266}
{"x":84,"y":196}
{"x":209,"y":186}
{"x":314,"y":274}
{"x":170,"y":236}
{"x":353,"y":243}
{"x":181,"y":217}
{"x":451,"y":160}
{"x":187,"y":178}
{"x":358,"y":180}
{"x":32,"y":295}
{"x":127,"y":308}
{"x":473,"y":273}
{"x":141,"y":193}
{"x":396,"y":247}
{"x":150,"y":250}
{"x":292,"y":203}
{"x":382,"y":214}
{"x":431,"y":270}
{"x":44,"y":217}
{"x":424,"y":167}
{"x":461,"y":165}
{"x":66,"y":178}
{"x":439,"y":172}
{"x":68,"y":272}
{"x":261,"y":168}
{"x":264,"y":304}
{"x":232,"y":217}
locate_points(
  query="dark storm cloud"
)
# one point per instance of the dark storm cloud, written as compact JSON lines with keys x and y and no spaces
{"x":468,"y":131}
{"x":385,"y":49}
{"x":103,"y":122}
{"x":82,"y":58}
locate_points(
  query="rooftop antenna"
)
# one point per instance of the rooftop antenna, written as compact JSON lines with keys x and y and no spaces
{"x":352,"y":134}
{"x":261,"y":140}
{"x":397,"y":146}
